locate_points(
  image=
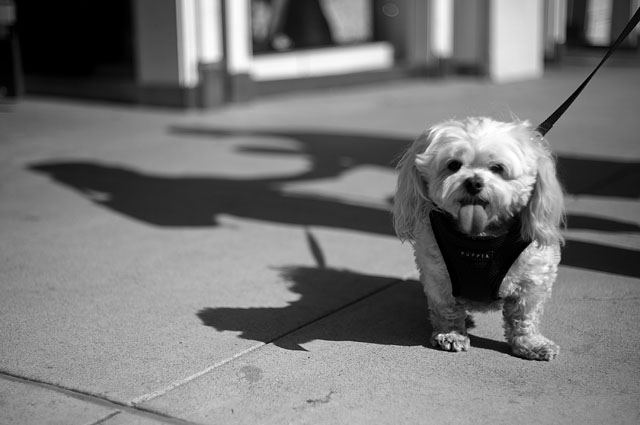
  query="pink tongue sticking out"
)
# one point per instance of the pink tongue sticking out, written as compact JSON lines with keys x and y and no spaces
{"x":472,"y":219}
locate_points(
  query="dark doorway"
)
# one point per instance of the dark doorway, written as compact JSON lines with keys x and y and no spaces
{"x":77,"y":48}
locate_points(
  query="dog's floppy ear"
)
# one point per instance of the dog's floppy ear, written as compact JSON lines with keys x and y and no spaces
{"x":544,"y":215}
{"x":411,"y":192}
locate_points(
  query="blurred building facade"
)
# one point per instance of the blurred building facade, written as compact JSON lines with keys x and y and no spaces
{"x":204,"y":53}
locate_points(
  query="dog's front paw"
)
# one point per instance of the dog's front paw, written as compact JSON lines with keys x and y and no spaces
{"x":535,"y":347}
{"x":452,"y":341}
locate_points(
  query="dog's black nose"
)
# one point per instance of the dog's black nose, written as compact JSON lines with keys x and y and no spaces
{"x":474,"y":185}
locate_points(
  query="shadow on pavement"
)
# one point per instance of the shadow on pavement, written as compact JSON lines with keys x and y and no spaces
{"x":582,"y":176}
{"x":197,"y":201}
{"x":396,"y":316}
{"x":399,"y":318}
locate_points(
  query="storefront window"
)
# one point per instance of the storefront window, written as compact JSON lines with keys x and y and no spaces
{"x":283,"y":25}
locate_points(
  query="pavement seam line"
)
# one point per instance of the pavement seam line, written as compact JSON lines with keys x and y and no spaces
{"x":119,"y":407}
{"x":162,"y":391}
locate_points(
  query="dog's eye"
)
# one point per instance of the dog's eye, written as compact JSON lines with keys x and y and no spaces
{"x":454,"y":165}
{"x":497,"y":168}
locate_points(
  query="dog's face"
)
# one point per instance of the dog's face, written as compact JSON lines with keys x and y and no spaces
{"x":483,"y":173}
{"x":480,"y":172}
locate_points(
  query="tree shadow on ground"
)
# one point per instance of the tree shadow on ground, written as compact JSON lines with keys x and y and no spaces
{"x":327,"y":292}
{"x":198,"y":201}
{"x":395,"y":312}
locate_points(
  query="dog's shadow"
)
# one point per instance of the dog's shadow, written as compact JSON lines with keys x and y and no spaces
{"x":338,"y":305}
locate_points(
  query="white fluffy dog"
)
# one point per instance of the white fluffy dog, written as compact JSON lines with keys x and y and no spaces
{"x":480,"y":202}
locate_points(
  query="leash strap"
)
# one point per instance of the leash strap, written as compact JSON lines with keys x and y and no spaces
{"x":551,"y":120}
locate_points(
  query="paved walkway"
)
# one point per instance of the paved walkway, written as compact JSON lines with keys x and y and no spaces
{"x":238,"y":266}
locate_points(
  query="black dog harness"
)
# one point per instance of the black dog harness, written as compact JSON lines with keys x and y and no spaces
{"x":476,"y":265}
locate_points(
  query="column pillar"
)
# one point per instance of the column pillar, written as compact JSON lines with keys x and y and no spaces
{"x":515,"y":43}
{"x":555,"y":29}
{"x":179,"y":53}
{"x":441,"y":35}
{"x":209,"y":43}
{"x":238,"y":49}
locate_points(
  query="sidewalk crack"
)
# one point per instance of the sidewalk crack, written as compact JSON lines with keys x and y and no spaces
{"x":174,"y":385}
{"x":117,"y":406}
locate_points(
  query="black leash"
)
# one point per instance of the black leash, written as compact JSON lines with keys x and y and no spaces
{"x":549,"y":122}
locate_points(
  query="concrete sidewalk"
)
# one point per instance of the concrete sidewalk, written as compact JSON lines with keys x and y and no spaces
{"x":239,"y":267}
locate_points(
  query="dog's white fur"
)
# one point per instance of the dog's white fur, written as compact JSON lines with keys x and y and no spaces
{"x":519,"y":176}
